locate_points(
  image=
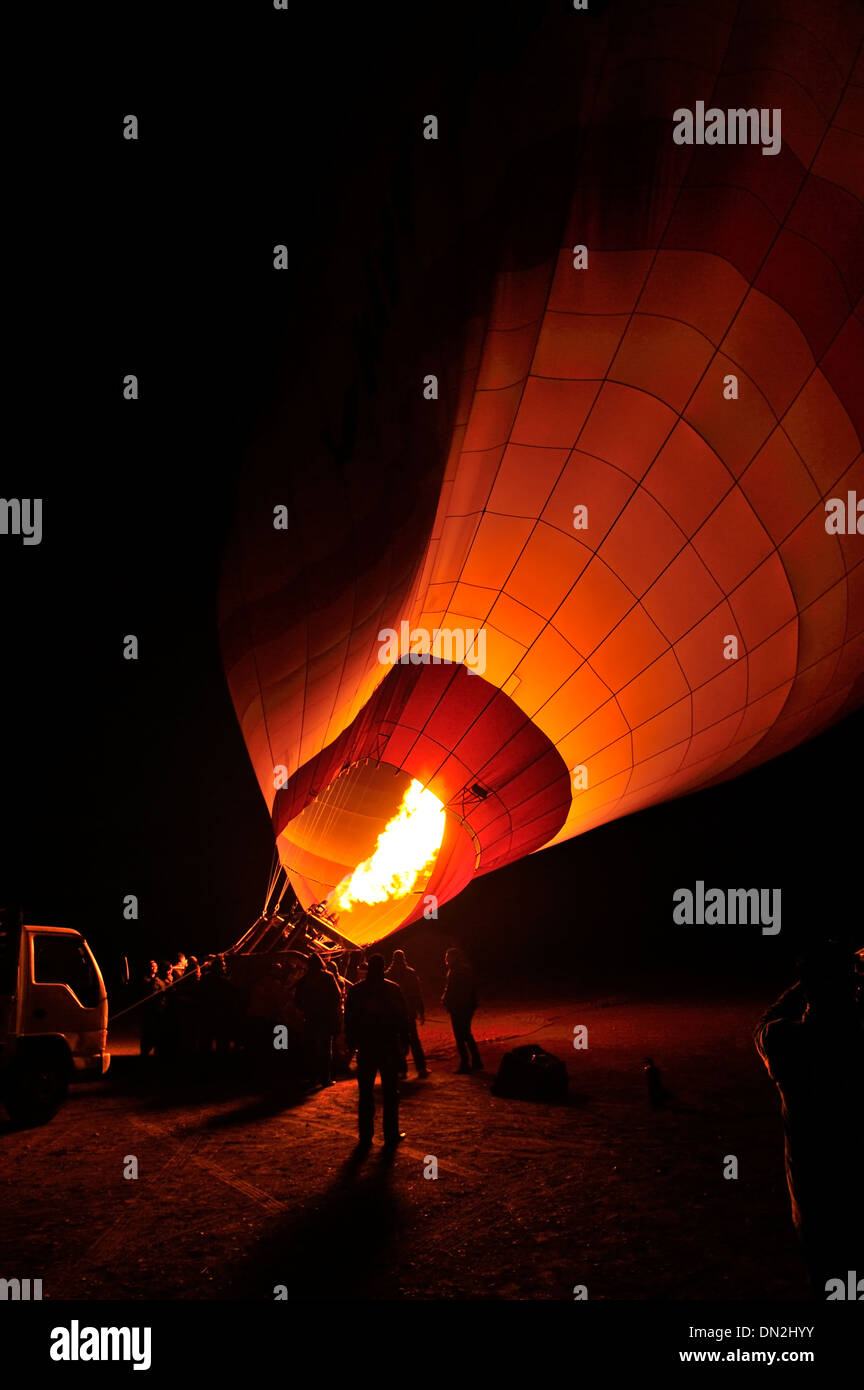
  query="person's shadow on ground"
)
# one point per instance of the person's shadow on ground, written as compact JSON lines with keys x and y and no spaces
{"x":336,"y":1250}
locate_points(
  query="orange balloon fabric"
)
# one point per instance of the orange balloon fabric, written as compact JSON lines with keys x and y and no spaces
{"x":627,"y":497}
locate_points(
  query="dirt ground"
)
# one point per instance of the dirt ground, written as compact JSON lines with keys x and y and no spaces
{"x":239,"y":1191}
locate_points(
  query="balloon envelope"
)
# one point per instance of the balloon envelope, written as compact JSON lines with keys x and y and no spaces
{"x":593,"y":561}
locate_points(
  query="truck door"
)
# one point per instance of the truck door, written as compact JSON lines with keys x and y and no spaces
{"x":65,"y":993}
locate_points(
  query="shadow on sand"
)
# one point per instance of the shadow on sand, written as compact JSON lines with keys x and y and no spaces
{"x":339,"y":1249}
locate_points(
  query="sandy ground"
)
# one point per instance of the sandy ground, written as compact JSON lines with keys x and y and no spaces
{"x":238,"y":1193}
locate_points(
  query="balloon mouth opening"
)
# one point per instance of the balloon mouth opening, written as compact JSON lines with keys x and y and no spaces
{"x":364,"y":851}
{"x":404,"y":854}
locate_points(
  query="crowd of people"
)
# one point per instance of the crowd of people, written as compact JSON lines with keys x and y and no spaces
{"x":300,"y":1016}
{"x":188,"y":1010}
{"x":304,"y":1019}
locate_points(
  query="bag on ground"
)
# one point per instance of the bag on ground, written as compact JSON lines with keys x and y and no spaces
{"x":531,"y":1073}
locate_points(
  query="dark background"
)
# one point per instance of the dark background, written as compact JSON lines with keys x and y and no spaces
{"x":155,"y":258}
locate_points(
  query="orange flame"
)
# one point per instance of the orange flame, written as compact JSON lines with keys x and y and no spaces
{"x":406,"y":848}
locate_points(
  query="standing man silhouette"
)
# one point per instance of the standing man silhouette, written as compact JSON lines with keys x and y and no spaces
{"x":409,"y":982}
{"x":460,"y":1001}
{"x":812,"y":1043}
{"x":377,"y":1027}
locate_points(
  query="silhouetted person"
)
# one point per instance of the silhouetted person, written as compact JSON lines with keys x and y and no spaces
{"x":319,"y":1000}
{"x":165,"y":1030}
{"x":148,"y":1022}
{"x":356,"y":967}
{"x":409,"y":982}
{"x":150,"y":979}
{"x":460,"y":1001}
{"x":811,"y":1041}
{"x":219,"y":1006}
{"x":376,"y":1028}
{"x":264,"y":1011}
{"x":657,"y":1093}
{"x":187,"y":1003}
{"x":355,"y":970}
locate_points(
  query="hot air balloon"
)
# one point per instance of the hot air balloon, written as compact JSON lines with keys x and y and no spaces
{"x":557,"y":516}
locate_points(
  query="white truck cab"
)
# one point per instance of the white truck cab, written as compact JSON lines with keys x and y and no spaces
{"x":53,"y":1017}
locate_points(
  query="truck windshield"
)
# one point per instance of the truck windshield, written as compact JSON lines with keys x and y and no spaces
{"x":63,"y":960}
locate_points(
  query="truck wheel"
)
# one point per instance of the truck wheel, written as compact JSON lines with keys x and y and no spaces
{"x":35,"y":1090}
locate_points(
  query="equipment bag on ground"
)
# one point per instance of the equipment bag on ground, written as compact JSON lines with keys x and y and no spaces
{"x":531,"y":1073}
